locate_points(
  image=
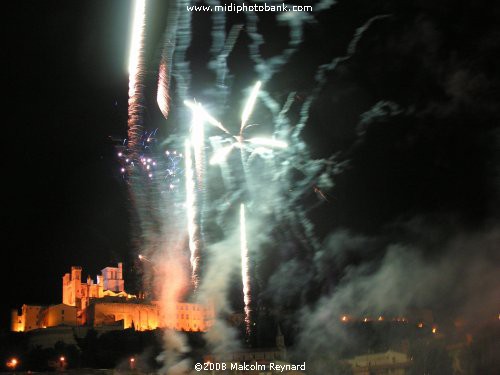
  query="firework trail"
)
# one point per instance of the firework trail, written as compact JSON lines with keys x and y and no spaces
{"x":204,"y":115}
{"x":219,"y":63}
{"x":162,"y":94}
{"x":198,"y":144}
{"x":222,"y":70}
{"x":162,"y":234}
{"x":136,"y":78}
{"x":182,"y":34}
{"x":247,"y":111}
{"x":146,"y":216}
{"x":256,"y":144}
{"x":143,"y":258}
{"x":267,"y":68}
{"x":245,"y":269}
{"x":193,"y":229}
{"x":195,"y":190}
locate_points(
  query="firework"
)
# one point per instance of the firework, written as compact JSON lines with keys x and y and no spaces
{"x":259,"y":145}
{"x":248,"y":109}
{"x":164,"y":167}
{"x":245,"y":268}
{"x":275,"y":199}
{"x":136,"y":77}
{"x":198,"y":145}
{"x":200,"y":112}
{"x":162,"y":97}
{"x":193,"y":231}
{"x":144,"y":259}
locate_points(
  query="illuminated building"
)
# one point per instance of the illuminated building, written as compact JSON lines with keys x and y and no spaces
{"x":34,"y":317}
{"x":28,"y":319}
{"x":390,"y":362}
{"x":105,"y":303}
{"x":260,"y":355}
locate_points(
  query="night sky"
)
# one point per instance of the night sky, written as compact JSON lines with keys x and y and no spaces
{"x":413,"y":114}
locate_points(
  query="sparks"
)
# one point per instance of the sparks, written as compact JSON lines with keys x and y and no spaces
{"x":197,"y":108}
{"x":191,"y":215}
{"x":247,"y":111}
{"x":137,"y":35}
{"x":162,"y":96}
{"x":245,"y":270}
{"x":136,"y":77}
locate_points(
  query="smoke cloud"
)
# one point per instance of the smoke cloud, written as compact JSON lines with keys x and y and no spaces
{"x":458,"y":280}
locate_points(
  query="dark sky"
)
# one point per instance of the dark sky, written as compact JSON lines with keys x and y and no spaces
{"x":67,"y":83}
{"x":432,"y":154}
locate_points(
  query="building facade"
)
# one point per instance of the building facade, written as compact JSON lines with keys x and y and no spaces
{"x":390,"y":362}
{"x":105,"y":303}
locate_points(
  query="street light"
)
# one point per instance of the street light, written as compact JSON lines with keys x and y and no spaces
{"x":62,"y":362}
{"x":13,"y":363}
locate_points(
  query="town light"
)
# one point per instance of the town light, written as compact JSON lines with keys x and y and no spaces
{"x":13,"y":363}
{"x":62,"y":362}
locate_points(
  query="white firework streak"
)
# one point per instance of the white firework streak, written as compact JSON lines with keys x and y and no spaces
{"x":199,"y":117}
{"x":247,"y":111}
{"x":193,"y":231}
{"x":136,"y":77}
{"x":198,"y":144}
{"x":204,"y":115}
{"x":165,"y":67}
{"x":245,"y":268}
{"x":162,"y":96}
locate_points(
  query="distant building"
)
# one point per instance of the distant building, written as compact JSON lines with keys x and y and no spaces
{"x":105,"y":303}
{"x":390,"y":362}
{"x":109,"y":284}
{"x":262,"y":357}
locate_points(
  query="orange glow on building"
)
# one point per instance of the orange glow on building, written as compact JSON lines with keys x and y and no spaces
{"x":106,"y":303}
{"x":190,"y":317}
